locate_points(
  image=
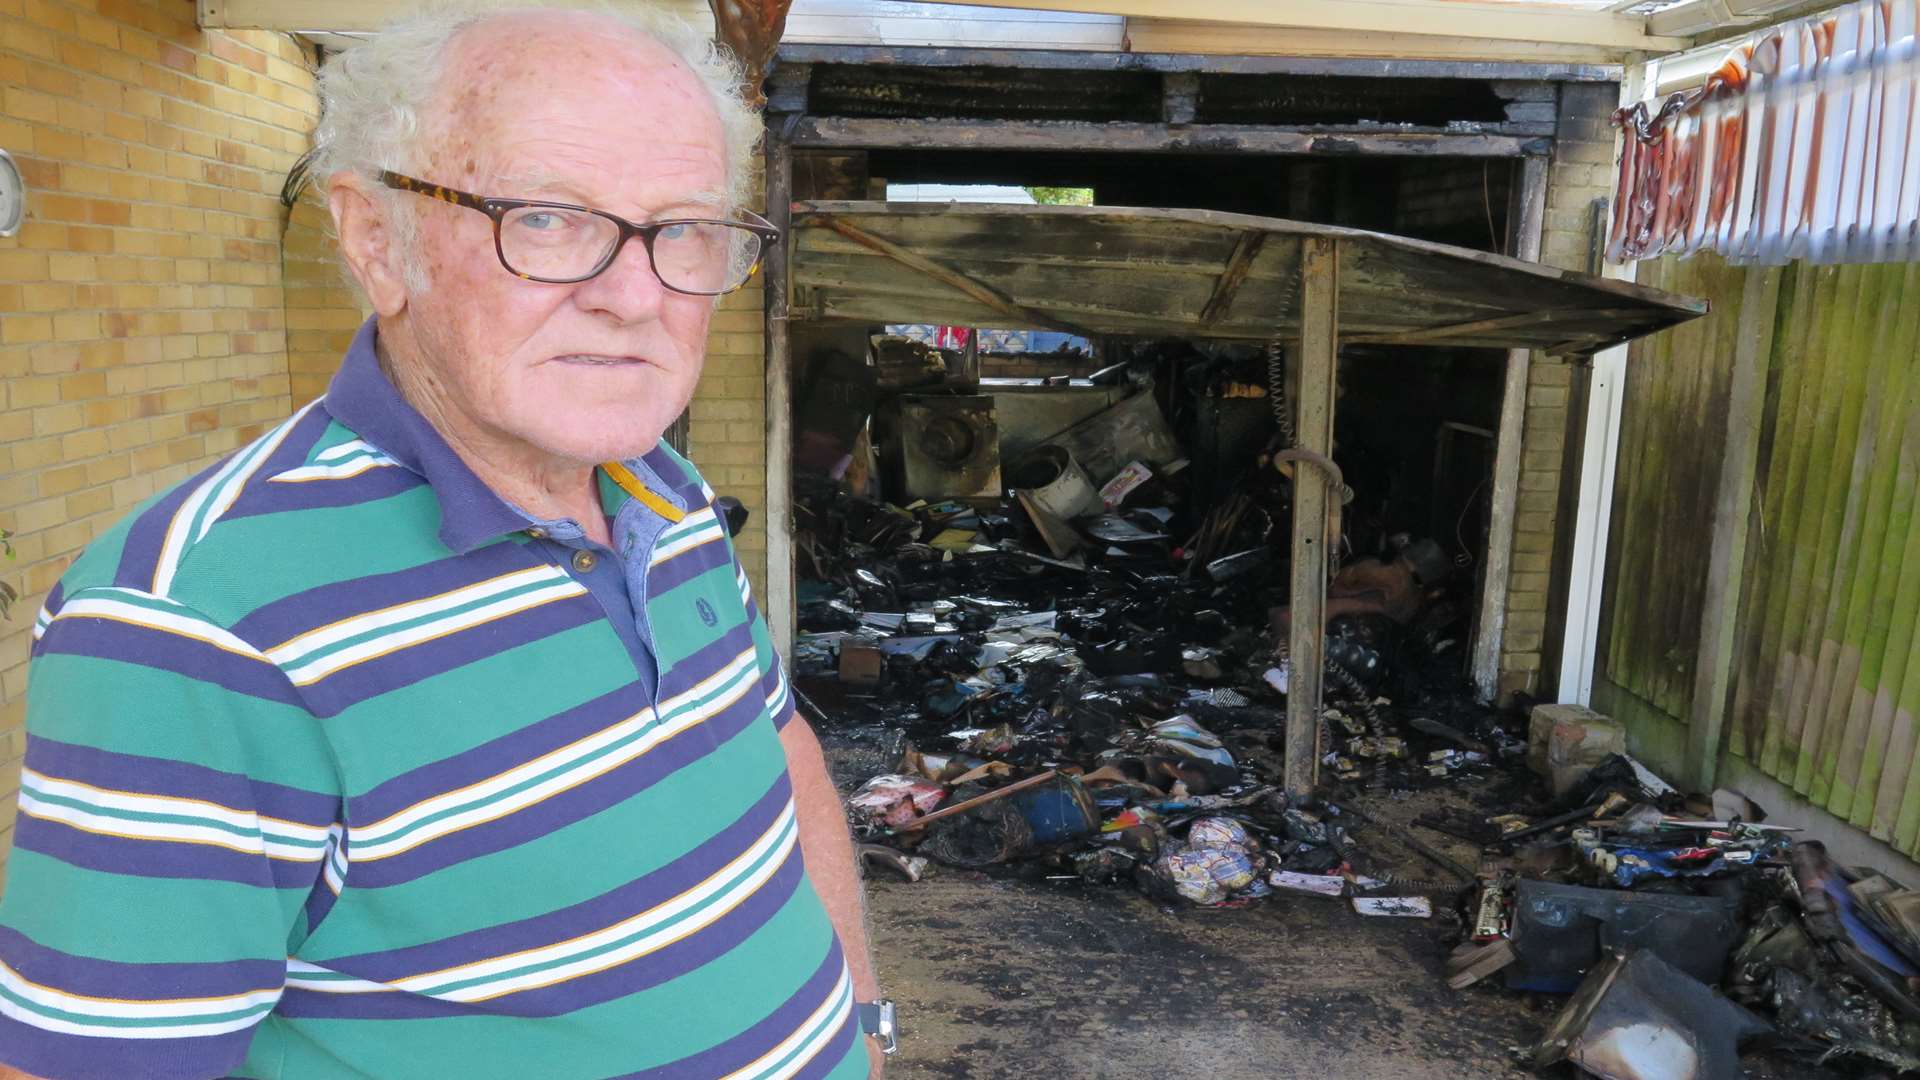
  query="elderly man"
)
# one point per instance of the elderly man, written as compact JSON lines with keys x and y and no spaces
{"x":435,"y":734}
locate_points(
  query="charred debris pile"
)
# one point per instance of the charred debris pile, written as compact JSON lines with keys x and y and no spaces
{"x":1073,"y":669}
{"x":1076,"y":661}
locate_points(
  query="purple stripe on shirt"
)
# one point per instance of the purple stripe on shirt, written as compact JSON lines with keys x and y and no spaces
{"x":556,"y":812}
{"x":109,"y":639}
{"x":646,"y":891}
{"x":498,"y":755}
{"x":44,"y":1053}
{"x":665,"y":577}
{"x":837,"y":1053}
{"x":700,"y":664}
{"x":320,"y":903}
{"x":265,"y":497}
{"x":680,"y":479}
{"x":55,"y":598}
{"x":159,"y":858}
{"x":138,"y":982}
{"x":404,"y":667}
{"x":290,"y":616}
{"x":748,"y":1046}
{"x":180,"y":779}
{"x":148,"y":532}
{"x":776,"y":681}
{"x":642,"y":973}
{"x":292,"y":452}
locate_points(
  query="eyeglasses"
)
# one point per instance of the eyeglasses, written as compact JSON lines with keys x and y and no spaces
{"x":559,"y":243}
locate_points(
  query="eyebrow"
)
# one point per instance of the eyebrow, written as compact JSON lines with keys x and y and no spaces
{"x":706,"y":199}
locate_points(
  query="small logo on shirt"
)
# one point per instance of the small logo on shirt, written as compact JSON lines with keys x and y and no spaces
{"x":707,"y":614}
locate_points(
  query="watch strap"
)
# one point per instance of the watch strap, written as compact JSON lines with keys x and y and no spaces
{"x":876,"y":1019}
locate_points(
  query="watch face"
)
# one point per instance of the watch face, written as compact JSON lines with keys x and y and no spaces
{"x":13,"y":196}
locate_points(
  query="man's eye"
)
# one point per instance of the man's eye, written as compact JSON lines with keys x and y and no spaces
{"x":543,"y":221}
{"x":676,"y":232}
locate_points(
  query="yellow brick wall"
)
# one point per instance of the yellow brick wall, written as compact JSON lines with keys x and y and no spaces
{"x":727,"y":422}
{"x":141,"y":322}
{"x":1580,"y":173}
{"x":322,"y":309}
{"x":727,"y":425}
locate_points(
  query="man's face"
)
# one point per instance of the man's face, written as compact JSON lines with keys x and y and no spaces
{"x":565,"y":110}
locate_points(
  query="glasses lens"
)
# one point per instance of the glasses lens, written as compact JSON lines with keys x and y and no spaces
{"x":555,"y":243}
{"x":705,"y":256}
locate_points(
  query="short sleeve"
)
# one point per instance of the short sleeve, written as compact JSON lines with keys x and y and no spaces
{"x":176,"y":810}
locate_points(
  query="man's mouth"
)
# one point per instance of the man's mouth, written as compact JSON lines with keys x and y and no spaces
{"x":599,"y":360}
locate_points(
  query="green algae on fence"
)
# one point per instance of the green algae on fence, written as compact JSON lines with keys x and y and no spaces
{"x":1826,"y":680}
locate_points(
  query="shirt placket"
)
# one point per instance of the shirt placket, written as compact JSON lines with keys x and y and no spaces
{"x":608,"y":579}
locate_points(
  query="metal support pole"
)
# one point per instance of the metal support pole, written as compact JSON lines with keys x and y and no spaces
{"x":1312,"y":499}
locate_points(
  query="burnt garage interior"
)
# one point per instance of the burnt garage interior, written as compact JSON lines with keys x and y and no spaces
{"x":1442,"y":154}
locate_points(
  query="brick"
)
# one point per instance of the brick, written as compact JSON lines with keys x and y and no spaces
{"x":1532,"y":564}
{"x":1549,"y":373}
{"x":1533,"y":543}
{"x":1585,"y":153}
{"x":1527,"y":583}
{"x":1538,"y":481}
{"x":1538,"y":502}
{"x":1516,"y":644}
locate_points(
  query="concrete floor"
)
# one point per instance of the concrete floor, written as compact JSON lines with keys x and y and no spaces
{"x":1010,"y":979}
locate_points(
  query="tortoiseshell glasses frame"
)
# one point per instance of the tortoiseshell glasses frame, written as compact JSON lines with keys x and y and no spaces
{"x":750,"y":232}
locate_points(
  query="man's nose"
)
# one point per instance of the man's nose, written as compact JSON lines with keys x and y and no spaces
{"x":628,"y":289}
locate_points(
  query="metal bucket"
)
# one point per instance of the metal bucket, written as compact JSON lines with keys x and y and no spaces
{"x":1056,"y":483}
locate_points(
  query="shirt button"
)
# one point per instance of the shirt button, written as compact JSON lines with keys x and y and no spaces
{"x":584,"y":561}
{"x":537,"y":533}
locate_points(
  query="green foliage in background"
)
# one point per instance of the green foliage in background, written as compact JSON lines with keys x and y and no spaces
{"x":1062,"y":196}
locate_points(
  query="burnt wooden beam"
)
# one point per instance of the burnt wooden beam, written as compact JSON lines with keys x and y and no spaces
{"x":787,"y":88}
{"x":976,"y":290}
{"x":1525,"y":90}
{"x":1532,"y":112}
{"x":1427,"y":335}
{"x":1314,"y":364}
{"x":1063,"y":135}
{"x":1179,"y":97}
{"x":1245,"y":250}
{"x":777,"y":280}
{"x":1082,"y":60}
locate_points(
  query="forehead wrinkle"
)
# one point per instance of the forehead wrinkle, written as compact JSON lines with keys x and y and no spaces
{"x":588,"y":54}
{"x":530,"y":179}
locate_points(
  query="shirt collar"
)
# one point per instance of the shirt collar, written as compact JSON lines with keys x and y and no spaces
{"x":362,"y":398}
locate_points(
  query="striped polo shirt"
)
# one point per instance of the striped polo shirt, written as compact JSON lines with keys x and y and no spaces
{"x":339,"y":766}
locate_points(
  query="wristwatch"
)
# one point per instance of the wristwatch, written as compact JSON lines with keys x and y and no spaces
{"x":876,"y":1019}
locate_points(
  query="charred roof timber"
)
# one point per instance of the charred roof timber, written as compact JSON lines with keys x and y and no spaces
{"x":999,"y":87}
{"x":1299,"y":99}
{"x":983,"y":93}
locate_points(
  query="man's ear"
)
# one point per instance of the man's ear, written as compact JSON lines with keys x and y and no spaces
{"x":367,"y":241}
